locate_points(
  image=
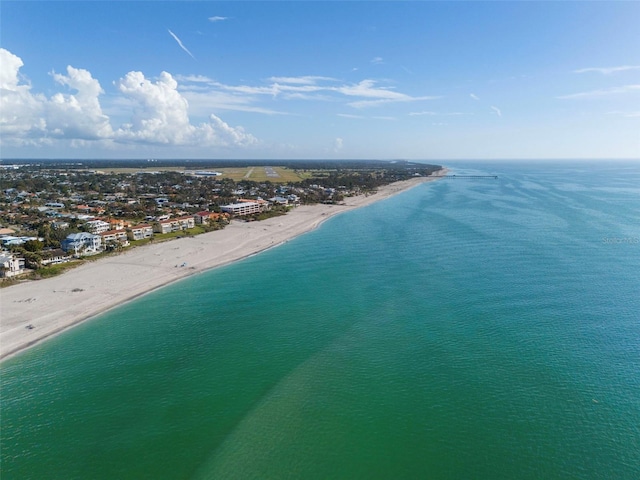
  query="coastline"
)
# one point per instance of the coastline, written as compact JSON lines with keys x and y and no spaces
{"x":56,"y":304}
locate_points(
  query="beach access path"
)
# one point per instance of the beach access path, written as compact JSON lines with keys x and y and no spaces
{"x":33,"y":311}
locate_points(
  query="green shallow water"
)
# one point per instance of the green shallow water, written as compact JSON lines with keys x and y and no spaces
{"x":463,"y":329}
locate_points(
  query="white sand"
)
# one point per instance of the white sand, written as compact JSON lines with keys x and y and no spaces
{"x":55,"y":304}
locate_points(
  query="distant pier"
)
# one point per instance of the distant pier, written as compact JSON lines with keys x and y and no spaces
{"x":495,"y":177}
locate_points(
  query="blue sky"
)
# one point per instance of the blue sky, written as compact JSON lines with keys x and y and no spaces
{"x":362,"y":79}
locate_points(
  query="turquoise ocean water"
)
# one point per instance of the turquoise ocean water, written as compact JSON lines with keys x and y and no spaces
{"x":465,"y":329}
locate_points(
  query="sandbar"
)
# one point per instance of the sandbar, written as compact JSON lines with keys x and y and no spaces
{"x":32,"y":311}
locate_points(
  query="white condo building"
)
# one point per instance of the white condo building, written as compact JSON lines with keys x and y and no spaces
{"x":97,"y":226}
{"x":243,"y":208}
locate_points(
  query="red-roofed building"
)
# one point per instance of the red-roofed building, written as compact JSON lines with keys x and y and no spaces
{"x":140,"y":232}
{"x":175,"y":224}
{"x":119,"y":236}
{"x":205,"y":217}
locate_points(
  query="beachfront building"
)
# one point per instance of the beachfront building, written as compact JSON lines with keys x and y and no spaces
{"x":11,"y":265}
{"x":242,"y":208}
{"x":206,"y":217}
{"x":202,"y":218}
{"x":53,"y":257}
{"x":175,"y":224}
{"x":82,"y":243}
{"x":265,"y":206}
{"x":97,"y":226}
{"x":293,"y":199}
{"x":117,"y":223}
{"x":140,"y":232}
{"x":115,"y":237}
{"x":279,"y":200}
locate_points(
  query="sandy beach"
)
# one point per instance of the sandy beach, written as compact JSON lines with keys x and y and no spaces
{"x":55,"y":304}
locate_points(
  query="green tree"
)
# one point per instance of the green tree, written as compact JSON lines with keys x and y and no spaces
{"x":33,"y":245}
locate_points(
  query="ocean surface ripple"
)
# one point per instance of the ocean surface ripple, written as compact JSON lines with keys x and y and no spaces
{"x":484,"y":329}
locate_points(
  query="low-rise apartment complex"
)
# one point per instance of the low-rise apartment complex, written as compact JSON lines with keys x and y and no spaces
{"x":174,"y":225}
{"x":140,"y":232}
{"x":113,"y":236}
{"x":97,"y":226}
{"x":243,"y":208}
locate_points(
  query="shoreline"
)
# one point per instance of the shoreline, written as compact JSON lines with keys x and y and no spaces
{"x":56,"y":304}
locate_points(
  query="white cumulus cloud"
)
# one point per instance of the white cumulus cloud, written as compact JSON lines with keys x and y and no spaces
{"x":158,"y":112}
{"x":78,"y":115}
{"x":161,"y":116}
{"x":21,"y":112}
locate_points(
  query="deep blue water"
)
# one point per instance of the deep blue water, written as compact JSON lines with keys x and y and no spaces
{"x":479,"y":329}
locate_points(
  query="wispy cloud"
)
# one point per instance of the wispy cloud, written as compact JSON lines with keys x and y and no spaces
{"x":377,"y":60}
{"x":367,"y":88}
{"x":446,"y":114}
{"x":474,"y":96}
{"x":193,"y":78}
{"x":304,"y":80}
{"x":218,"y":19}
{"x":625,"y":114}
{"x":378,"y":95}
{"x":608,"y":70}
{"x":384,"y":101}
{"x":496,"y":110}
{"x":366,"y":93}
{"x":348,"y":115}
{"x":601,"y":93}
{"x":175,"y":37}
